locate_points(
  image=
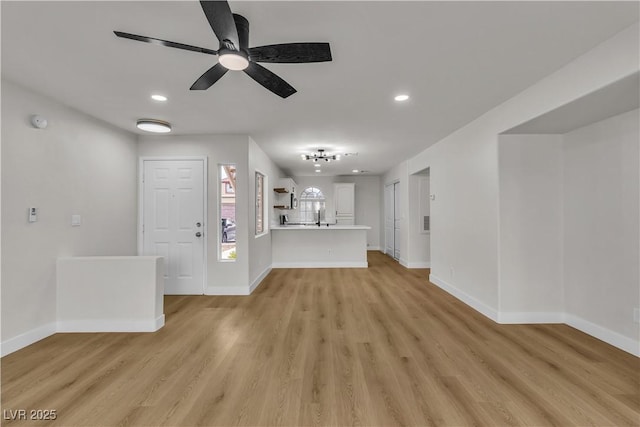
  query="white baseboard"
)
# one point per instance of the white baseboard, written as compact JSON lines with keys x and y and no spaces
{"x":159,"y":322}
{"x":238,"y":290}
{"x":27,"y":338}
{"x":465,"y":298}
{"x":610,"y":337}
{"x":607,"y":335}
{"x":109,"y":325}
{"x":419,"y":264}
{"x":322,"y":264}
{"x":259,"y":279}
{"x":505,"y":317}
{"x":403,"y":262}
{"x":374,"y":248}
{"x":227,"y":290}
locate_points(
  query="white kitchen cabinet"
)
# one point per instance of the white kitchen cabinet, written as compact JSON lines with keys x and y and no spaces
{"x":344,"y":202}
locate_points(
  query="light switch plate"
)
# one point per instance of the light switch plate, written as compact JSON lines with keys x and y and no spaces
{"x":76,"y":220}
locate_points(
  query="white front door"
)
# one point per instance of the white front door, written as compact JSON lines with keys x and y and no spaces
{"x":173,"y":221}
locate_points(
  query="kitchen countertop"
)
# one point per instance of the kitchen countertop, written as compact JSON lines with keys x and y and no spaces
{"x":322,"y":227}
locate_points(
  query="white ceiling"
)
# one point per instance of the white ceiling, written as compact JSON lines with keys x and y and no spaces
{"x":455,"y":59}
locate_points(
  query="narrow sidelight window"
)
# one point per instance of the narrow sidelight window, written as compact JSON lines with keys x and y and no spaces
{"x":227,"y":181}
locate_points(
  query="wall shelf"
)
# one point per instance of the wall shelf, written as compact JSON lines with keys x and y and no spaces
{"x":280,"y":190}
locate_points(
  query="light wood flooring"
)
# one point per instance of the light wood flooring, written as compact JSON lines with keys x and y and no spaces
{"x":369,"y":347}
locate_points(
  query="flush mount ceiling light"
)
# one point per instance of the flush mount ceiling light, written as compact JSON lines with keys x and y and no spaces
{"x":320,"y":156}
{"x":158,"y":97}
{"x":401,"y":97}
{"x":233,"y":60}
{"x":153,"y":125}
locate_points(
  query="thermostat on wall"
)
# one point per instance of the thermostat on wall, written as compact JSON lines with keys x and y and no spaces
{"x":33,"y":214}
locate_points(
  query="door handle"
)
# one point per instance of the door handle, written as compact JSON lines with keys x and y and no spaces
{"x":198,"y":234}
{"x":198,"y":224}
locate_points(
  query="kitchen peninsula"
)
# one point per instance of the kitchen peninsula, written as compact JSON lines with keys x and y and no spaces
{"x":310,"y":246}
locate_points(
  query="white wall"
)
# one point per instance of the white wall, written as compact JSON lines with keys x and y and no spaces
{"x":601,"y":216}
{"x":464,"y":171}
{"x":367,"y":201}
{"x":530,"y":227}
{"x":464,"y":180}
{"x":260,"y":247}
{"x":222,"y":277}
{"x":77,"y":165}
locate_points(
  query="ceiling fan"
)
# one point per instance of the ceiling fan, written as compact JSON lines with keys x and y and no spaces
{"x":234,"y":53}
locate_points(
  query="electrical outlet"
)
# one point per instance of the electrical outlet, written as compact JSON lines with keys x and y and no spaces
{"x":636,"y":315}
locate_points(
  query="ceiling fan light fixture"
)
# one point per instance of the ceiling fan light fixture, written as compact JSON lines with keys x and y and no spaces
{"x":232,"y":60}
{"x":153,"y":125}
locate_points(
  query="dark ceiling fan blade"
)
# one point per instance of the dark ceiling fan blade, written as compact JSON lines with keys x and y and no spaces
{"x":210,"y":76}
{"x":291,"y":53}
{"x":220,"y":18}
{"x":167,"y":43}
{"x":269,"y":80}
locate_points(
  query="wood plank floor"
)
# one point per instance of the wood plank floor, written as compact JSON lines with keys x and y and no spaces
{"x":369,"y":347}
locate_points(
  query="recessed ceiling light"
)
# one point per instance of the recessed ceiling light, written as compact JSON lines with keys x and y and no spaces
{"x":157,"y":97}
{"x":355,"y":171}
{"x":153,"y":125}
{"x":316,"y":165}
{"x":401,"y":97}
{"x":318,"y":171}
